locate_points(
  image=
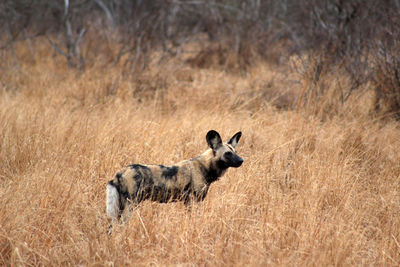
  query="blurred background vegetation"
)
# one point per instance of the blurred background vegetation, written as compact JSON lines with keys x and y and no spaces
{"x":358,"y":38}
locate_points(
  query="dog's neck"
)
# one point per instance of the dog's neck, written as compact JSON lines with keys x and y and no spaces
{"x":211,"y":168}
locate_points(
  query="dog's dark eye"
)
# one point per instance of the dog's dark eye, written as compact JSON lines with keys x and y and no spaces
{"x":228,"y":154}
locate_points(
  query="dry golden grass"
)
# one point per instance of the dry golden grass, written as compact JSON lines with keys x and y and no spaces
{"x":313,"y":190}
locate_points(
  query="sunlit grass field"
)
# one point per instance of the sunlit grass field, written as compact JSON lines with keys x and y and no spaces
{"x":320,"y":183}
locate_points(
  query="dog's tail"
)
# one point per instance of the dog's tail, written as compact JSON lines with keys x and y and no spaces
{"x":112,"y":202}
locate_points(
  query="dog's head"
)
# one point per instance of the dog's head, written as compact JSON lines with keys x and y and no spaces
{"x":224,"y":153}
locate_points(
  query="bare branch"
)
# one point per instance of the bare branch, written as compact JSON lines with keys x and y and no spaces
{"x":66,"y":6}
{"x":106,"y":11}
{"x":56,"y":48}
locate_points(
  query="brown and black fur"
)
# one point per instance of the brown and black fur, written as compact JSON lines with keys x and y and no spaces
{"x":184,"y":181}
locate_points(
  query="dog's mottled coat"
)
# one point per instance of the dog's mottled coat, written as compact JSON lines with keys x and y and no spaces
{"x":183,"y":181}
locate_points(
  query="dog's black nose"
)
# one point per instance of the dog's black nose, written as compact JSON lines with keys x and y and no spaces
{"x":238,"y":162}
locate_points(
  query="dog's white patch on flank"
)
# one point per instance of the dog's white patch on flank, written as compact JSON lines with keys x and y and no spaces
{"x":112,"y":201}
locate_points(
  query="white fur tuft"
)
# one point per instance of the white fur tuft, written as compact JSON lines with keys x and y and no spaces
{"x":112,"y":201}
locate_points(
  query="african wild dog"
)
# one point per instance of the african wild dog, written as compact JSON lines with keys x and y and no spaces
{"x":184,"y":181}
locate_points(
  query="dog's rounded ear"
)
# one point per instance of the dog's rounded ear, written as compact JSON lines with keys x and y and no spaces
{"x":213,"y":139}
{"x":235,"y":139}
